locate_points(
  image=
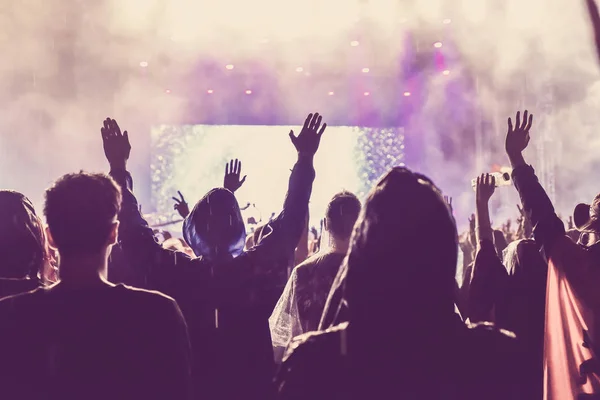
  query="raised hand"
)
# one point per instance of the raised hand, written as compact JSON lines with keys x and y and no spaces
{"x":232,"y":175}
{"x":486,"y":186}
{"x":448,"y":201}
{"x":472,"y":233}
{"x":570,"y":224}
{"x":517,"y":137}
{"x":116,"y":144}
{"x":181,"y":205}
{"x":595,"y":18}
{"x":307,"y":142}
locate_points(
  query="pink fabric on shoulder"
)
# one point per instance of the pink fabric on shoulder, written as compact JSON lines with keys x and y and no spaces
{"x":572,"y":307}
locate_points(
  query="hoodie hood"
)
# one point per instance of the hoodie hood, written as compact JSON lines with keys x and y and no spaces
{"x":215,"y":228}
{"x":22,"y":237}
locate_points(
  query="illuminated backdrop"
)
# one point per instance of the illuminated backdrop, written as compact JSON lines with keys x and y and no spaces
{"x":191,"y":158}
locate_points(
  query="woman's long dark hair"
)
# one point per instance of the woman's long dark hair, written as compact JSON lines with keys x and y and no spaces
{"x":402,"y":257}
{"x":23,"y":246}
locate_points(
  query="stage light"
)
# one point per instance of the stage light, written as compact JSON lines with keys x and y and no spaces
{"x":354,"y":43}
{"x":406,"y":94}
{"x":446,"y":72}
{"x":210,"y":91}
{"x":437,"y":45}
{"x":248,"y":91}
{"x":229,"y":66}
{"x":446,"y":21}
{"x":299,"y":69}
{"x":365,"y":70}
{"x":367,"y":93}
{"x":331,"y":93}
{"x":143,"y":64}
{"x":168,"y":91}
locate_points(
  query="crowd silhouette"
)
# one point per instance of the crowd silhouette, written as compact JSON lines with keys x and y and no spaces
{"x":96,"y":304}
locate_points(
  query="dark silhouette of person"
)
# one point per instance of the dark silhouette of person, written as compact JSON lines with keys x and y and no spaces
{"x":301,"y":305}
{"x":402,"y":337}
{"x":85,"y":338}
{"x":571,"y":339}
{"x":23,"y":250}
{"x":226,"y":294}
{"x":511,"y":291}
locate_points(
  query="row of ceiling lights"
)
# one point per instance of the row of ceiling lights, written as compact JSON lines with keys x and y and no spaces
{"x":249,"y":92}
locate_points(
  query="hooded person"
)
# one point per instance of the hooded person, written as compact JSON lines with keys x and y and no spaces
{"x":402,"y":338}
{"x":23,"y":249}
{"x":215,"y":228}
{"x":226,"y":294}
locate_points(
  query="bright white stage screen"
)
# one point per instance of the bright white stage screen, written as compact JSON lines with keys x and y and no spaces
{"x":192,"y":159}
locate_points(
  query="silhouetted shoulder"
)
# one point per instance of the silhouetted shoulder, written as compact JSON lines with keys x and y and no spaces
{"x":144,"y":293}
{"x":490,"y":362}
{"x":487,"y":337}
{"x":150,"y":299}
{"x":312,"y":342}
{"x":15,"y":302}
{"x":320,"y":258}
{"x":314,"y":363}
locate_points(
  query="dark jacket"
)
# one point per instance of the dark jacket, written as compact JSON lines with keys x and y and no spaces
{"x":468,"y":362}
{"x":226,"y":295}
{"x":571,"y":334}
{"x":514,"y":297}
{"x":108,"y":342}
{"x":9,"y":287}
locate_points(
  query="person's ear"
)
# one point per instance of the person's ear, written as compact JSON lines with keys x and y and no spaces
{"x":113,"y":238}
{"x":325,"y":224}
{"x":50,"y":239}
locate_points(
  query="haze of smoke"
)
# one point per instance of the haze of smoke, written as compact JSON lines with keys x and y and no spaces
{"x":68,"y":65}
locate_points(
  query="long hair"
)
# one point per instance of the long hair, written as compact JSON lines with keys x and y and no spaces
{"x":402,"y":256}
{"x":23,"y":245}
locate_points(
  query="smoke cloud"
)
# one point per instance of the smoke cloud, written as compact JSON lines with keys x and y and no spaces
{"x":68,"y":65}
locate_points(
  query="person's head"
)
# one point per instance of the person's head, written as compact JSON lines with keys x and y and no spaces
{"x":23,"y":249}
{"x":215,"y":227}
{"x":587,"y":219}
{"x":403,"y":254}
{"x":341,"y":215}
{"x":81,"y":211}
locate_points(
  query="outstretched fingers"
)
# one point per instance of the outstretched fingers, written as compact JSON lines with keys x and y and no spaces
{"x":525,"y":118}
{"x":529,"y":123}
{"x":322,"y":129}
{"x":115,"y":128}
{"x":319,"y":120}
{"x":307,"y":122}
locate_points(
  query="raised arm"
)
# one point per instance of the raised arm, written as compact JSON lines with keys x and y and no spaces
{"x":287,"y":227}
{"x":488,"y":276}
{"x":233,"y":170}
{"x":486,"y":186}
{"x":152,"y":263}
{"x":536,"y":203}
